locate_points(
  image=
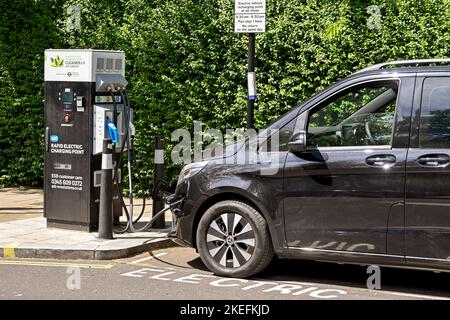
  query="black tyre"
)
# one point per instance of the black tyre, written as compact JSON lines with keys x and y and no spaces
{"x":233,"y":240}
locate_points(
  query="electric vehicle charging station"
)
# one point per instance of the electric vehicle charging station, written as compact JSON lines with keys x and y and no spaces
{"x":79,"y":90}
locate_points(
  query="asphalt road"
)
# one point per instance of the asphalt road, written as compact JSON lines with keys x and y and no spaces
{"x":178,"y":273}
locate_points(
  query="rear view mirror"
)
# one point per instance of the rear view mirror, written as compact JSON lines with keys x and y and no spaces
{"x":297,"y":143}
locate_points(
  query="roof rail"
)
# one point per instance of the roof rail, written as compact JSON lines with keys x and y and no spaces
{"x":404,"y":63}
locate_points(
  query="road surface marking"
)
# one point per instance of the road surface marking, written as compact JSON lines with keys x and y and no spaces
{"x":150,"y":258}
{"x":162,"y":274}
{"x":9,"y":251}
{"x":395,"y":293}
{"x":54,"y":264}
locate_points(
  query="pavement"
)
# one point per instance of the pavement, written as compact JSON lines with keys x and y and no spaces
{"x":20,"y":203}
{"x":24,"y":234}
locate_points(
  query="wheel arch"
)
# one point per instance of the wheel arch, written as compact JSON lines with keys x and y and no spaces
{"x":222,"y":196}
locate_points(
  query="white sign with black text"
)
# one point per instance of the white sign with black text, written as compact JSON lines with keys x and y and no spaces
{"x":250,"y":16}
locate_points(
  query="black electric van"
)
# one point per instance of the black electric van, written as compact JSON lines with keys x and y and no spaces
{"x":362,"y":177}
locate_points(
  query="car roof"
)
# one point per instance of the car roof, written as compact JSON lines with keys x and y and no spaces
{"x":385,"y":69}
{"x":408,"y":66}
{"x":398,"y":71}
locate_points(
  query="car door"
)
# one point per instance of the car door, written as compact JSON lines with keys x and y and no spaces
{"x":428,"y":175}
{"x":346,"y":192}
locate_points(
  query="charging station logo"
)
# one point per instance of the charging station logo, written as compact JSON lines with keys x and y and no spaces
{"x":56,"y":62}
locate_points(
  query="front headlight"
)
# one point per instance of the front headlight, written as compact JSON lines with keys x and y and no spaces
{"x":191,"y":170}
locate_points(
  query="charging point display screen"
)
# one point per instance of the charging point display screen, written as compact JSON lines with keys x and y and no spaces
{"x":68,"y":97}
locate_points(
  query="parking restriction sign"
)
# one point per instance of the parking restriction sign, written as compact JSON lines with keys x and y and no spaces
{"x":250,"y":16}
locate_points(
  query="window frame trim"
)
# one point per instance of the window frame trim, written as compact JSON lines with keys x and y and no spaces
{"x":419,"y":114}
{"x":330,"y":97}
{"x":350,"y":148}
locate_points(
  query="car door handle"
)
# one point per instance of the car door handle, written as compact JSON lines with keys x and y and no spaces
{"x":434,"y":160}
{"x":381,"y":160}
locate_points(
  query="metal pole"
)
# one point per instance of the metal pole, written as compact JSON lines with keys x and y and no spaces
{"x":158,"y":174}
{"x":105,"y":219}
{"x":251,"y":80}
{"x":130,"y":182}
{"x":117,"y":206}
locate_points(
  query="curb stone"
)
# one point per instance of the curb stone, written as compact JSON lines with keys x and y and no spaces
{"x":94,"y":254}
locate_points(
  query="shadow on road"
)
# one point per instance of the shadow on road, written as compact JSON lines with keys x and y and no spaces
{"x":392,"y":279}
{"x":197,"y":264}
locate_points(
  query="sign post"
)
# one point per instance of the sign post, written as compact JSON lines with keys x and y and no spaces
{"x":250,"y":17}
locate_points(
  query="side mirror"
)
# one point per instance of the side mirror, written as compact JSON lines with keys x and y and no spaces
{"x":297,"y":143}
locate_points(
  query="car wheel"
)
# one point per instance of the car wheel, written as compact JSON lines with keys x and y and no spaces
{"x":233,"y":240}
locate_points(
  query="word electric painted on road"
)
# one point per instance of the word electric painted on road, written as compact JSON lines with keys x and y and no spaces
{"x":250,"y":16}
{"x":297,"y":289}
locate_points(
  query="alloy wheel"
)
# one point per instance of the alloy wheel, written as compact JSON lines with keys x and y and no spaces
{"x":231,"y":240}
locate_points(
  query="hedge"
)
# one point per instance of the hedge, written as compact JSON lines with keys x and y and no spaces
{"x":185,"y":63}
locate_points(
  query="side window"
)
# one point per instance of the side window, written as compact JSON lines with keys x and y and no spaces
{"x":435,"y":113}
{"x":360,"y":116}
{"x":284,"y":133}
